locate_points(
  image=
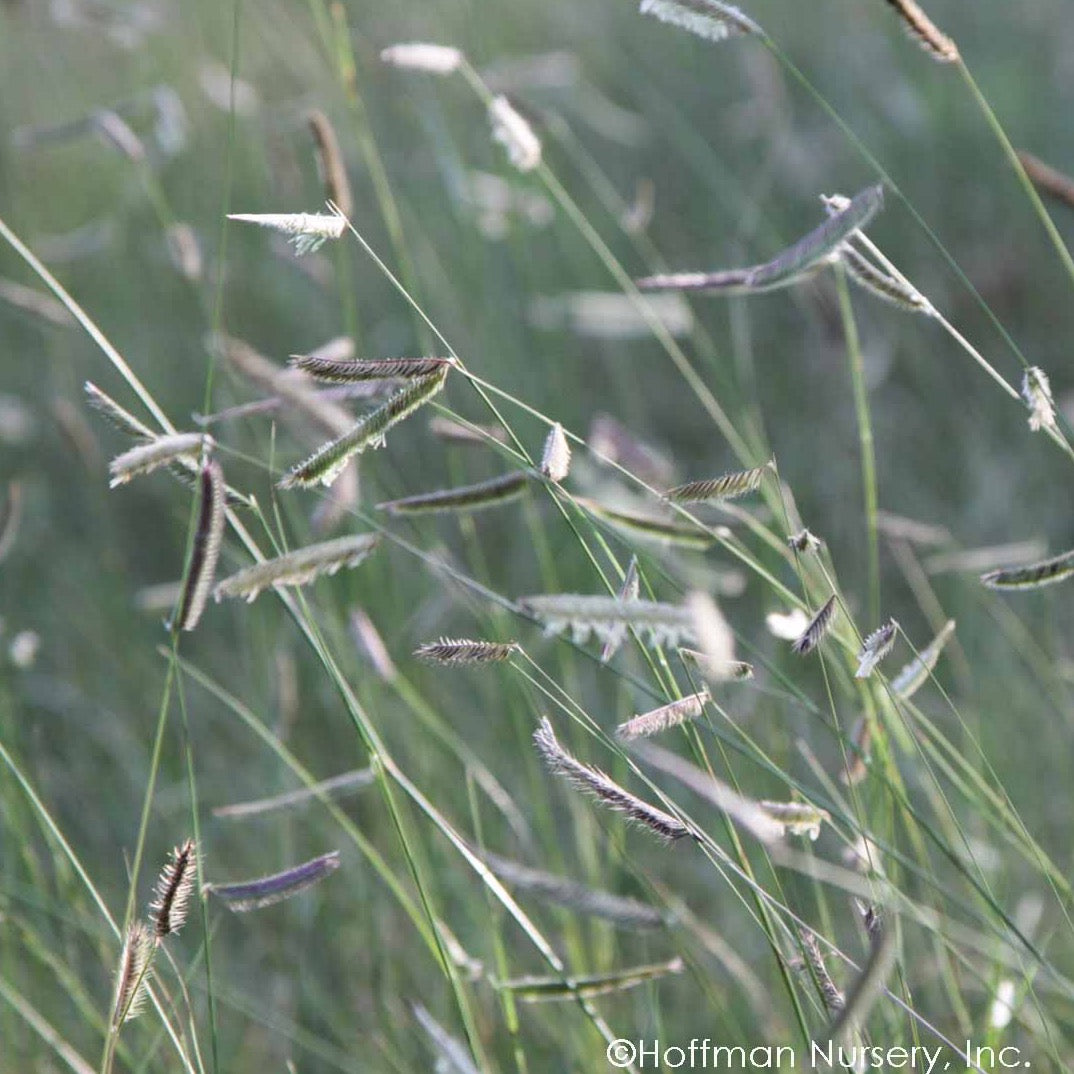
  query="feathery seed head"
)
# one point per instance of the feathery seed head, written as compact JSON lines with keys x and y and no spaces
{"x":174,"y":887}
{"x":660,"y":719}
{"x":298,"y":567}
{"x":307,"y":232}
{"x":594,"y":782}
{"x":351,"y":370}
{"x":208,"y":538}
{"x":710,"y":19}
{"x":132,"y":976}
{"x":875,"y":647}
{"x":158,"y":452}
{"x":726,"y":487}
{"x":450,"y":651}
{"x":662,"y":624}
{"x":329,"y":460}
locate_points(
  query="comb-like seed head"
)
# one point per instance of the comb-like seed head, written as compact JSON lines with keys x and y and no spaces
{"x":174,"y":888}
{"x":464,"y":651}
{"x":818,"y":626}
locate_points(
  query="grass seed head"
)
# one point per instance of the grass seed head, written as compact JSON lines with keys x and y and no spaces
{"x":174,"y":888}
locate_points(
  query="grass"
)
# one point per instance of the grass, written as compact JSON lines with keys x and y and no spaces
{"x":120,"y":738}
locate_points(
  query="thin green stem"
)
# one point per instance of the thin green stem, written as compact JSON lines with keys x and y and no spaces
{"x":865,"y":440}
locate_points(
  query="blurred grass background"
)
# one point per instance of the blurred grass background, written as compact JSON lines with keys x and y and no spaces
{"x":737,"y":155}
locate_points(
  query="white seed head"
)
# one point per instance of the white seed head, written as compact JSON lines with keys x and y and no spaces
{"x":161,"y":451}
{"x":710,"y":19}
{"x":1037,"y":393}
{"x":515,"y":134}
{"x":556,"y":459}
{"x":306,"y":231}
{"x":418,"y":56}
